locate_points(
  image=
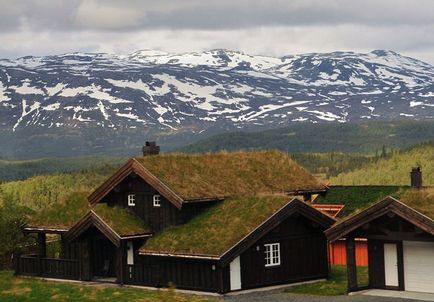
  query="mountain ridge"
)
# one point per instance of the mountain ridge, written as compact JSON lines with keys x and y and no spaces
{"x":211,"y":89}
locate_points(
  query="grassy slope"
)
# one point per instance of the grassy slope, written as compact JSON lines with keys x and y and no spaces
{"x":393,"y":170}
{"x":39,"y":192}
{"x":325,"y":165}
{"x":364,"y":137}
{"x":335,"y":285}
{"x":234,"y":218}
{"x":16,"y":289}
{"x":21,"y":169}
{"x":229,"y":173}
{"x":75,"y":206}
{"x":356,"y":197}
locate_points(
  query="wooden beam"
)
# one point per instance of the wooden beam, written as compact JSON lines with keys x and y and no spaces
{"x":121,"y":260}
{"x":351,"y":264}
{"x":42,"y":247}
{"x":387,"y":205}
{"x":400,"y":256}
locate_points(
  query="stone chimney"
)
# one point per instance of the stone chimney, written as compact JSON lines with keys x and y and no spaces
{"x":416,"y":177}
{"x":150,"y":148}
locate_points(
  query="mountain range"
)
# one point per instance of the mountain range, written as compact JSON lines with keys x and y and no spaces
{"x":209,"y":92}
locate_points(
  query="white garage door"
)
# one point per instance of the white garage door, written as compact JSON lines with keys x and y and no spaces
{"x":419,"y":266}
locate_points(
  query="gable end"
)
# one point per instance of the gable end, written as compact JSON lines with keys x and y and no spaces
{"x":133,"y":166}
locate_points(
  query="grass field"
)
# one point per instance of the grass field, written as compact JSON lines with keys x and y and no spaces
{"x":336,"y":285}
{"x":18,"y":289}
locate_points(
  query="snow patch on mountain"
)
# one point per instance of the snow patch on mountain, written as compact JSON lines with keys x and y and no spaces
{"x":211,"y":89}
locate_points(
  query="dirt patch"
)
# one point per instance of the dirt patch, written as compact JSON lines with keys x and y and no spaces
{"x":17,"y":291}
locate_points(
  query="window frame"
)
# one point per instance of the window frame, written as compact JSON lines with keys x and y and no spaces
{"x":272,"y":254}
{"x":131,"y":198}
{"x":156,"y":200}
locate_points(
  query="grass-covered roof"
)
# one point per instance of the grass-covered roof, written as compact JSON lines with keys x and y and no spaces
{"x":422,"y":200}
{"x":356,"y":197}
{"x":123,"y":221}
{"x":193,"y":176}
{"x":61,"y":215}
{"x":76,"y":206}
{"x":216,"y":230}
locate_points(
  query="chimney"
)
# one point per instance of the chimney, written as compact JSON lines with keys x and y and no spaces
{"x":416,"y":177}
{"x":150,"y":148}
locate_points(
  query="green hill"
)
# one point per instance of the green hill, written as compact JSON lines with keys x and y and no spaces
{"x":22,"y":169}
{"x":43,"y":191}
{"x":393,"y":170}
{"x":367,"y":137}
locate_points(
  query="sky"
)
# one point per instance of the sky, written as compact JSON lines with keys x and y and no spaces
{"x":267,"y":27}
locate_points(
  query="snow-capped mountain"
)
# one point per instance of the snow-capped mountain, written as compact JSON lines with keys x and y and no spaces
{"x":196,"y":91}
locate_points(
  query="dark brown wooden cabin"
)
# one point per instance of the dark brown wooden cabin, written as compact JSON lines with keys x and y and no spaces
{"x":211,"y":222}
{"x":400,"y":245}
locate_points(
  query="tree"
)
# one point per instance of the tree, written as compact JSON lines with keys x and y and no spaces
{"x":12,"y":239}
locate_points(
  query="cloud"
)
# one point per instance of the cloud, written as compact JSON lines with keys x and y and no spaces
{"x":93,"y":14}
{"x":275,"y":27}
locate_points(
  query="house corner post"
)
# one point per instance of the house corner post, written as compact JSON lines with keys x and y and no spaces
{"x":122,"y":262}
{"x":15,"y":263}
{"x":42,"y":247}
{"x":351,"y":264}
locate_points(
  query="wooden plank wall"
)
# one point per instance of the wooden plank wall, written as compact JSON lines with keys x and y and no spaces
{"x":303,"y":249}
{"x":157,"y":218}
{"x":179,"y":272}
{"x":47,"y":267}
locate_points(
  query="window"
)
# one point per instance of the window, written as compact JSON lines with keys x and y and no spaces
{"x":157,"y":201}
{"x":131,"y":200}
{"x":272,"y":254}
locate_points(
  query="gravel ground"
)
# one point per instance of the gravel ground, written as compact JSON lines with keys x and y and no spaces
{"x":280,"y":296}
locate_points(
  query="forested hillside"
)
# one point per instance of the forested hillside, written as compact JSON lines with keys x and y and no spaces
{"x":22,"y":169}
{"x":392,"y":170}
{"x":325,"y":165}
{"x":39,"y":192}
{"x":43,"y":195}
{"x":367,"y":137}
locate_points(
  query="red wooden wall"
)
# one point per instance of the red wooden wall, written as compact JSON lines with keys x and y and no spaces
{"x":338,"y":253}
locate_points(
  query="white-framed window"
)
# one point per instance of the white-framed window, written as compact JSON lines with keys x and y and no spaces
{"x":157,"y":201}
{"x":131,"y":200}
{"x":272,"y":254}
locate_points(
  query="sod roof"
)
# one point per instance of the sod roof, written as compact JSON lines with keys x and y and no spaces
{"x":123,"y":221}
{"x":414,"y":205}
{"x":195,"y":176}
{"x":61,"y":215}
{"x":64,"y":216}
{"x":219,"y":228}
{"x":356,"y":197}
{"x":421,"y":200}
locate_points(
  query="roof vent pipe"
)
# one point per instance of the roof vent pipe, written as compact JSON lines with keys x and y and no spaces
{"x":150,"y":148}
{"x":416,"y":177}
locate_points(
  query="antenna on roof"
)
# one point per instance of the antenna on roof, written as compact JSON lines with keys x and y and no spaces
{"x":150,"y":148}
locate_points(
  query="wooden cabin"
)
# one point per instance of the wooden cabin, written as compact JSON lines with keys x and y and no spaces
{"x":209,"y":222}
{"x":400,"y":236}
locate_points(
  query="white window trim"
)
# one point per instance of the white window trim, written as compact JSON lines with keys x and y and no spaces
{"x":131,"y":200}
{"x":156,"y":200}
{"x":272,"y":254}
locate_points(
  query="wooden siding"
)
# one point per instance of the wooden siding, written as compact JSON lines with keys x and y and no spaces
{"x":157,"y":218}
{"x":47,"y":267}
{"x":388,"y":228}
{"x":338,"y":255}
{"x":303,"y":250}
{"x":180,"y":272}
